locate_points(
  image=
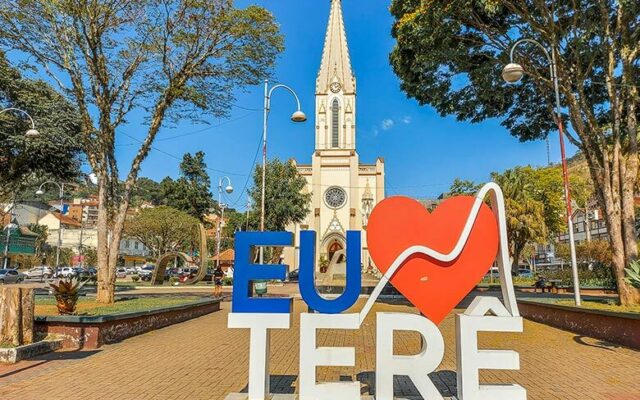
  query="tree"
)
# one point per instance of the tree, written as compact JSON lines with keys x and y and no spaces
{"x":285,"y":200}
{"x":43,"y":234}
{"x":463,"y":187}
{"x":162,"y":229}
{"x":147,"y":190}
{"x":55,"y":153}
{"x":191,"y":193}
{"x":170,"y":60}
{"x":90,"y":257}
{"x":595,"y":251}
{"x":451,"y":56}
{"x":525,"y":215}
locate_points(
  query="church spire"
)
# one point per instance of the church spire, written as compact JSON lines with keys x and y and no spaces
{"x":336,"y":64}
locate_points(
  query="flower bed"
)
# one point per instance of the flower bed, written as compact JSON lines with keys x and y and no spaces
{"x":616,"y":327}
{"x":91,"y":332}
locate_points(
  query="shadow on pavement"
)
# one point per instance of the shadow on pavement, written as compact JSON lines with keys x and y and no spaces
{"x":46,"y":358}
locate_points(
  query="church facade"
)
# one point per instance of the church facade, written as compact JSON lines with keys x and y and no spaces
{"x":344,"y":191}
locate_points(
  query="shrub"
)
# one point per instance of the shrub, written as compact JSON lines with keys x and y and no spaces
{"x":633,"y":274}
{"x":226,"y":281}
{"x":173,"y":280}
{"x":135,"y":278}
{"x":66,"y":293}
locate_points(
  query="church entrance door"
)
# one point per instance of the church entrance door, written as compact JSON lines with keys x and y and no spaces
{"x":333,"y":247}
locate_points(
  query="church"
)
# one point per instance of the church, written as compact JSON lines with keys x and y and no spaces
{"x":344,"y":191}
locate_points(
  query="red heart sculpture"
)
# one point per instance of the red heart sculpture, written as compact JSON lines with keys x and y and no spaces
{"x":434,"y":287}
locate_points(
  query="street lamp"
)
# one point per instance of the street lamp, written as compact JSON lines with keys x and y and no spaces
{"x":297,"y":116}
{"x":31,"y":132}
{"x":40,"y":192}
{"x":512,"y":73}
{"x":228,"y":189}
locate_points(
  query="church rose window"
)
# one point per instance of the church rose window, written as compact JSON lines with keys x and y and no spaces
{"x":335,"y":123}
{"x":335,"y":197}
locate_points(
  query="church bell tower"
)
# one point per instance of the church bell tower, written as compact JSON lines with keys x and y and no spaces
{"x":335,"y":89}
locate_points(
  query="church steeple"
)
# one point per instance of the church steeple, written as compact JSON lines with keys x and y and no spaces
{"x":336,"y":63}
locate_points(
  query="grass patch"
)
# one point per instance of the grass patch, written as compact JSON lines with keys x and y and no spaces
{"x":46,"y":305}
{"x":603,"y":305}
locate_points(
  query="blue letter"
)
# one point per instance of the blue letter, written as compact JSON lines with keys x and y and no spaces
{"x":245,"y":272}
{"x":308,"y":274}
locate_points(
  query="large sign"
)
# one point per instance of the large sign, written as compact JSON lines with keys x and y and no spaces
{"x":434,"y":259}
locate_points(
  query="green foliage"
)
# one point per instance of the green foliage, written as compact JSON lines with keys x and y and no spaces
{"x":163,"y":229}
{"x":633,"y":274}
{"x":66,"y":255}
{"x":173,"y":280}
{"x":226,"y":281}
{"x":191,"y":193}
{"x":463,"y":187}
{"x":595,"y":251}
{"x":90,"y":257}
{"x":525,"y":214}
{"x":43,"y":234}
{"x":135,"y":278}
{"x":55,"y":153}
{"x":285,"y":200}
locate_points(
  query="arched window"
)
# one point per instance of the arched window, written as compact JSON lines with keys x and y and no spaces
{"x":335,"y":123}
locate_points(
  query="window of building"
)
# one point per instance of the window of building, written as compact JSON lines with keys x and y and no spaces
{"x":335,"y":123}
{"x":136,"y":245}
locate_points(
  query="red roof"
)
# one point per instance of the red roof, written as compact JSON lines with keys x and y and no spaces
{"x":227,"y":255}
{"x":66,"y":220}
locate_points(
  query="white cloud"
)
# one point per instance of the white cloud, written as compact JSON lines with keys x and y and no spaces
{"x":406,"y":119}
{"x":387,"y":124}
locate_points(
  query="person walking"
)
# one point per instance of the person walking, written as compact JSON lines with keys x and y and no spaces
{"x":218,"y":274}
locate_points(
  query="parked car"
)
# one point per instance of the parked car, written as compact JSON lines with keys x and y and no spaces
{"x":11,"y":276}
{"x":293,"y":275}
{"x":39,"y":273}
{"x":88,"y":274}
{"x":65,"y":272}
{"x":131,"y":271}
{"x":121,"y":272}
{"x":525,"y":273}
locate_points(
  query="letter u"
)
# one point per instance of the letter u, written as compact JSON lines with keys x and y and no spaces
{"x":307,"y":274}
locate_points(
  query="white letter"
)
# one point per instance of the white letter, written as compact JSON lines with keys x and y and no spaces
{"x":416,"y":367}
{"x":259,"y":325}
{"x":312,"y":356}
{"x":471,"y":360}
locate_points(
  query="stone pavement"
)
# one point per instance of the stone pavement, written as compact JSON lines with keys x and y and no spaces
{"x":202,"y":359}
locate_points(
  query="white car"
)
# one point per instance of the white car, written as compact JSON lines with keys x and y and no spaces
{"x":121,"y":272}
{"x":39,"y":272}
{"x":66,"y":272}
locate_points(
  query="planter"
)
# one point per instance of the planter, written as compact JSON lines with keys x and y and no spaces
{"x":14,"y":354}
{"x":92,"y":332}
{"x":619,"y":328}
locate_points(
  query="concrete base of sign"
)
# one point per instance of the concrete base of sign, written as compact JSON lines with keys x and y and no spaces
{"x":244,"y":396}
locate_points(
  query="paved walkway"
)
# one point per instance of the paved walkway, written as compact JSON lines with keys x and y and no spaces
{"x":202,"y":359}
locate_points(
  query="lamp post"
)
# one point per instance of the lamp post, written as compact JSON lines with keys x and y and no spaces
{"x":512,"y":73}
{"x":297,"y":116}
{"x":228,"y":189}
{"x":31,"y":132}
{"x":40,"y":192}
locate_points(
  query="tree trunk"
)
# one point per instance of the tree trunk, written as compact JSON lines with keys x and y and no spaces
{"x":106,"y":287}
{"x":16,"y":315}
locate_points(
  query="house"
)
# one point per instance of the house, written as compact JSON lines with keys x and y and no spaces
{"x":54,"y":220}
{"x":19,"y":242}
{"x":133,"y":253}
{"x":24,"y":213}
{"x":227,"y":258}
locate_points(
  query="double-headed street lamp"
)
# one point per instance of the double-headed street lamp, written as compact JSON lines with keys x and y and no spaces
{"x":40,"y":192}
{"x":31,"y":132}
{"x":228,"y":189}
{"x":297,"y":116}
{"x":512,"y":73}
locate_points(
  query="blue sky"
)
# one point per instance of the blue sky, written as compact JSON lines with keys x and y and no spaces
{"x":424,"y":152}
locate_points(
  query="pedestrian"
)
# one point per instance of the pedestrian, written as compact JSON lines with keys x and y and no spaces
{"x":218,"y":274}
